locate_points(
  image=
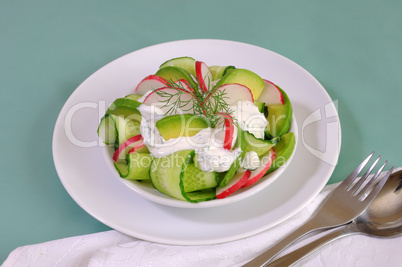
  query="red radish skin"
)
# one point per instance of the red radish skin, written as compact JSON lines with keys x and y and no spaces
{"x":151,"y":82}
{"x":229,"y":131}
{"x":260,"y":171}
{"x":204,"y":75}
{"x":233,"y":93}
{"x":234,"y":184}
{"x":138,"y":147}
{"x":271,"y":95}
{"x":128,"y":144}
{"x":185,"y":85}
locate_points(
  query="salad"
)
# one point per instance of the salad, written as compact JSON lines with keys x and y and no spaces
{"x":199,"y":132}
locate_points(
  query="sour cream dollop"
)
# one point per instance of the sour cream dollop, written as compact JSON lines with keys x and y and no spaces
{"x":207,"y":143}
{"x":250,"y":118}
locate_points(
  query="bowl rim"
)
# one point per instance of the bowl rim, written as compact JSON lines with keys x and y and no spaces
{"x":152,"y":194}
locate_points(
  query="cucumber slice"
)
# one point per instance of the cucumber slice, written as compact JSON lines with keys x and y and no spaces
{"x":136,"y":168}
{"x":260,"y":106}
{"x":220,"y":71}
{"x":139,"y":165}
{"x":125,"y":129}
{"x":131,"y":145}
{"x":255,"y":144}
{"x":241,"y":141}
{"x":195,"y":179}
{"x":116,"y":129}
{"x":200,"y":196}
{"x":121,"y":168}
{"x":167,"y":174}
{"x":232,"y":170}
{"x":187,"y":63}
{"x":125,"y":107}
{"x":107,"y":130}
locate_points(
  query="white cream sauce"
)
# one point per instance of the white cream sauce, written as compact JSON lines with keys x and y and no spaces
{"x":250,"y":118}
{"x":208,"y":143}
{"x":251,"y":161}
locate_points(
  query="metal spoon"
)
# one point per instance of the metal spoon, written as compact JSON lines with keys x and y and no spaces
{"x":383,"y":218}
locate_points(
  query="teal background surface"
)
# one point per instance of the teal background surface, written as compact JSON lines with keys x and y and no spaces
{"x":47,"y":48}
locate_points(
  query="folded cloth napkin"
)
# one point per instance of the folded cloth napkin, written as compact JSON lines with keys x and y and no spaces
{"x":112,"y":248}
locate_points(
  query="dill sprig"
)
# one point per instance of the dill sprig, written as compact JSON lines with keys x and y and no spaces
{"x":173,"y":100}
{"x":210,"y":104}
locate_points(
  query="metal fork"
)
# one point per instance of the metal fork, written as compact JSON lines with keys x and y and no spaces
{"x":344,"y":204}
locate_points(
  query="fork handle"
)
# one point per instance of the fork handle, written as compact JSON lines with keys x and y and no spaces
{"x":306,"y":250}
{"x":265,"y":257}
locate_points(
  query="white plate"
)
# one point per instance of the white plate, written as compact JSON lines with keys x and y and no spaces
{"x":80,"y":164}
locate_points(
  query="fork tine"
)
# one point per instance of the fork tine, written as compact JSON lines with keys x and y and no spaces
{"x":377,"y":188}
{"x":339,"y":208}
{"x":356,"y":187}
{"x":349,"y":180}
{"x":364,"y":190}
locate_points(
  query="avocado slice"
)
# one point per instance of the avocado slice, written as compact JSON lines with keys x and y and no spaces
{"x":177,"y":125}
{"x":279,"y":117}
{"x":244,"y":77}
{"x":283,"y":150}
{"x":173,"y":73}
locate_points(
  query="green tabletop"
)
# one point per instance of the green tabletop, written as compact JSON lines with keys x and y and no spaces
{"x":47,"y":48}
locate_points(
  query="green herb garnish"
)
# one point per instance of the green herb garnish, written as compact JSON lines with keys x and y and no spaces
{"x":210,"y":104}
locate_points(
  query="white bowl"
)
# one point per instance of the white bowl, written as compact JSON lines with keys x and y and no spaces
{"x":146,"y":190}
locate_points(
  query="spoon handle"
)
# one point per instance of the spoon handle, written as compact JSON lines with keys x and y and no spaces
{"x":265,"y":257}
{"x":306,"y":250}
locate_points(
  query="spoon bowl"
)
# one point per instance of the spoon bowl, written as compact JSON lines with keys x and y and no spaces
{"x":383,"y":218}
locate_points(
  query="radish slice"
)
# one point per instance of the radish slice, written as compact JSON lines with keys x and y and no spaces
{"x":184,"y":84}
{"x":232,"y":93}
{"x":234,"y":184}
{"x":265,"y":164}
{"x":229,"y":131}
{"x":127,"y":145}
{"x":204,"y":75}
{"x":140,"y":147}
{"x":271,"y":95}
{"x":151,"y":82}
{"x":226,"y":121}
{"x":161,"y":95}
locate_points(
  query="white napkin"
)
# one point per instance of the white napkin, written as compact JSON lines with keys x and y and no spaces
{"x":112,"y":248}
